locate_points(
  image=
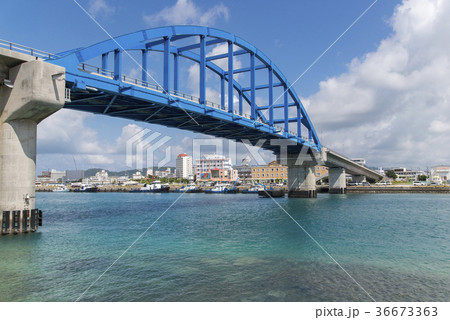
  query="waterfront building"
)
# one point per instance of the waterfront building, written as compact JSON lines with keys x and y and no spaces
{"x":101,"y":177}
{"x":224,"y":175}
{"x":272,"y":172}
{"x":74,"y":175}
{"x":244,"y":170}
{"x":122,"y":179}
{"x":212,"y":161}
{"x":57,"y":175}
{"x":440,"y":174}
{"x":149,"y":172}
{"x":404,"y":174}
{"x":320,"y":171}
{"x":44,"y":177}
{"x":184,"y":166}
{"x":137,"y":176}
{"x":380,"y":171}
{"x":165,"y":173}
{"x":215,"y":167}
{"x":51,"y":177}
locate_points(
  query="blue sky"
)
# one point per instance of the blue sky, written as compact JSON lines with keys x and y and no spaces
{"x":356,"y":95}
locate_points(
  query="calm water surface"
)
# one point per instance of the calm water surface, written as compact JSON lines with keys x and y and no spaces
{"x":231,"y":248}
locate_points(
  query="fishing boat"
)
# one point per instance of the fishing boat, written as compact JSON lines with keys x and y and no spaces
{"x":155,"y":186}
{"x":85,"y":188}
{"x":61,"y":188}
{"x":254,"y":189}
{"x":222,"y":188}
{"x":190,"y":188}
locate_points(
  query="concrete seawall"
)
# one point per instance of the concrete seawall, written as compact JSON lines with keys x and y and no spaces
{"x":402,"y":189}
{"x":390,"y":189}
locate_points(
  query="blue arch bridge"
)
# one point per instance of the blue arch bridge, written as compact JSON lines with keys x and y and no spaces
{"x":241,"y":94}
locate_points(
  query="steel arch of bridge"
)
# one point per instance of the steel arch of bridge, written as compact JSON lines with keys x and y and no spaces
{"x":97,"y":90}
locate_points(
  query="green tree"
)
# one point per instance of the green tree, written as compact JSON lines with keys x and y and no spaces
{"x":422,"y":177}
{"x":391,"y":174}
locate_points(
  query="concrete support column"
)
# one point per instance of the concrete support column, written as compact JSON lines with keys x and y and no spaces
{"x":337,"y":182}
{"x":17,"y":164}
{"x":301,"y":180}
{"x":359,"y":179}
{"x":38,"y":91}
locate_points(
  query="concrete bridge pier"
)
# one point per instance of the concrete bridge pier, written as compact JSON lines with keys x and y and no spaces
{"x":337,"y":181}
{"x":301,"y":179}
{"x":358,"y":179}
{"x":37,"y":92}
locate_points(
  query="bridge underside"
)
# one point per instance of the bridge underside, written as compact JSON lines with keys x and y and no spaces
{"x":129,"y":107}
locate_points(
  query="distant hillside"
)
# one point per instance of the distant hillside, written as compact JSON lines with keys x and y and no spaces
{"x":92,"y":171}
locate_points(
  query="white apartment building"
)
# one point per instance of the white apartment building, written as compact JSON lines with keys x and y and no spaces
{"x":101,"y":177}
{"x":137,"y":176}
{"x":212,"y":161}
{"x":405,"y":174}
{"x":57,"y":175}
{"x":184,"y":166}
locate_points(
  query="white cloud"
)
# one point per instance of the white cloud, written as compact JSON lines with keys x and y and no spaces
{"x":223,"y":63}
{"x":98,"y":159}
{"x":392,"y":105}
{"x":186,"y":12}
{"x":438,"y":126}
{"x":65,"y":132}
{"x":128,"y":131}
{"x":100,"y":7}
{"x":213,"y":94}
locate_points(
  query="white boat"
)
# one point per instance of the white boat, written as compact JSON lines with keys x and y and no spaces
{"x":61,"y":188}
{"x":190,"y":188}
{"x":254,"y":189}
{"x":155,"y":186}
{"x":222,"y":188}
{"x":86,"y":188}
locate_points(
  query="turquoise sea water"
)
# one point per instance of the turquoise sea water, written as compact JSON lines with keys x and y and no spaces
{"x":220,"y":247}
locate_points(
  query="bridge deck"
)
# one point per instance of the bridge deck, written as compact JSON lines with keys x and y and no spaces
{"x":192,"y":118}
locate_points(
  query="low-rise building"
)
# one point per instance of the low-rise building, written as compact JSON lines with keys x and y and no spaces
{"x":272,"y":172}
{"x":51,"y":177}
{"x":137,"y":176}
{"x":440,"y":174}
{"x":44,"y":177}
{"x":244,"y":170}
{"x":57,"y":176}
{"x":404,"y":174}
{"x":320,"y":171}
{"x":74,"y":175}
{"x":168,"y":173}
{"x":101,"y":177}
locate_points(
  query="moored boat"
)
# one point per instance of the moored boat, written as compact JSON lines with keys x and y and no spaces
{"x":190,"y":188}
{"x":254,"y":189}
{"x":155,"y":186}
{"x":222,"y":188}
{"x":85,"y":188}
{"x":61,"y":188}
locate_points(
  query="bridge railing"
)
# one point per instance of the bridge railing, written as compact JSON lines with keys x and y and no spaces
{"x":99,"y":71}
{"x":110,"y":74}
{"x":27,"y":50}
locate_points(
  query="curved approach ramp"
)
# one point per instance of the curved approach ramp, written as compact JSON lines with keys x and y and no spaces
{"x":210,"y":82}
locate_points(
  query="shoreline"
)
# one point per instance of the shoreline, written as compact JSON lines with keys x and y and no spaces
{"x":320,"y":189}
